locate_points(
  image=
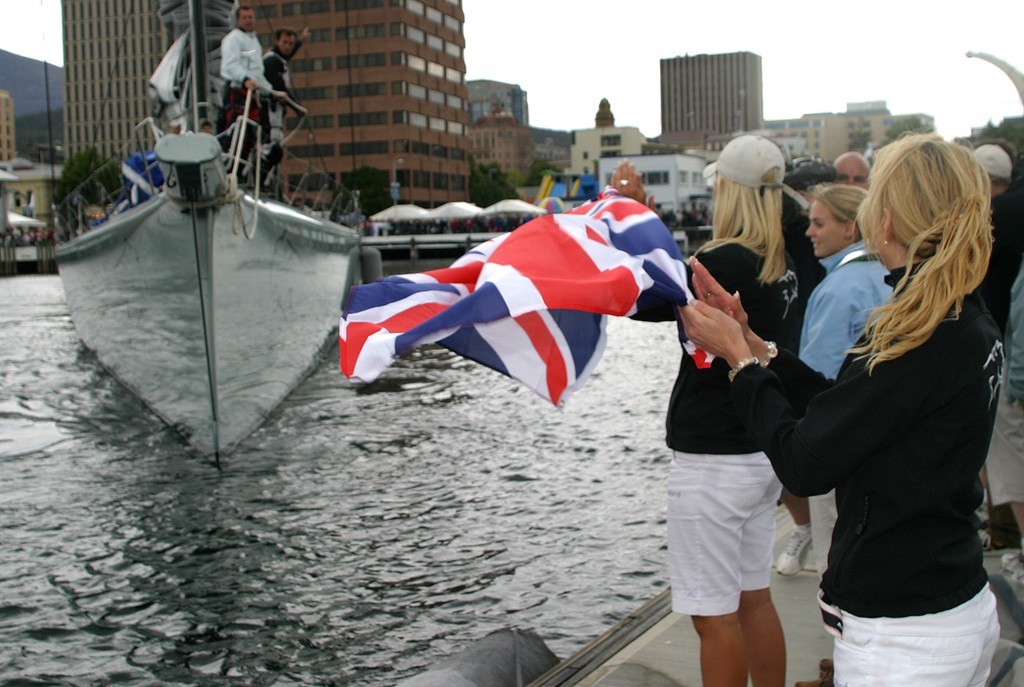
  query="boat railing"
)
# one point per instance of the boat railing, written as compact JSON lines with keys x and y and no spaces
{"x":315,"y":188}
{"x":107,"y":191}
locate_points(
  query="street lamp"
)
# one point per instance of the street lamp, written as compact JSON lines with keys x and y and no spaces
{"x":395,"y":188}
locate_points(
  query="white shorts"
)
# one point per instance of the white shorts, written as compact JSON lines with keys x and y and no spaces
{"x":949,"y":649}
{"x":1005,"y":463}
{"x":721,"y":529}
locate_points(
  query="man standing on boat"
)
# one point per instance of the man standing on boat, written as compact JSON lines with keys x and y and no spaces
{"x":241,"y":67}
{"x":275,"y":67}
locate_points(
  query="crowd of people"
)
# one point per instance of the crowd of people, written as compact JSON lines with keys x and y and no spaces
{"x":26,"y":237}
{"x":465,"y":225}
{"x":857,"y":312}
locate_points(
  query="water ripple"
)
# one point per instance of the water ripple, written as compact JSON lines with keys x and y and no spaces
{"x":356,"y":537}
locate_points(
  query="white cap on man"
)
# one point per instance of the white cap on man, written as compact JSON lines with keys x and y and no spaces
{"x":995,"y":160}
{"x":747,"y":160}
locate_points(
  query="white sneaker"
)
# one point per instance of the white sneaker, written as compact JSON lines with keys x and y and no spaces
{"x":791,"y":560}
{"x":1013,"y":566}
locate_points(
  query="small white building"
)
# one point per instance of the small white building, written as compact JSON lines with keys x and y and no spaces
{"x":676,"y":180}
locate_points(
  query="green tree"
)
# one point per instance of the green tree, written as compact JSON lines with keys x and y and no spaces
{"x":1011,"y":130}
{"x":902,"y":125}
{"x":94,"y":176}
{"x":373,"y":186}
{"x":538,"y":168}
{"x":488,"y":184}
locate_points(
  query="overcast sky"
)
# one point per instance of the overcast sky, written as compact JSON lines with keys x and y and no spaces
{"x":816,"y":57}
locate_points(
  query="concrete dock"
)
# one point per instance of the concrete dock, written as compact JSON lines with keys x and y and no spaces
{"x":654,"y":647}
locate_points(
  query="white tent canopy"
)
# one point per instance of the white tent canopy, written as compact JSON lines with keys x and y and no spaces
{"x":455,"y":210}
{"x":513,"y":206}
{"x":400,"y":213}
{"x":16,"y":220}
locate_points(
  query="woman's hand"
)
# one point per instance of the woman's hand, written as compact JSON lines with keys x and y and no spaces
{"x":626,"y":180}
{"x":714,"y":331}
{"x":711,"y":292}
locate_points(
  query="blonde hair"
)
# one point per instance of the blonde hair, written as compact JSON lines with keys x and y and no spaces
{"x":938,"y":197}
{"x":751,"y":217}
{"x":842,"y":201}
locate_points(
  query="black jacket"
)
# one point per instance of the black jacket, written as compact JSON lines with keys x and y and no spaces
{"x":1007,"y":246}
{"x":700,"y":415}
{"x":902,"y":446}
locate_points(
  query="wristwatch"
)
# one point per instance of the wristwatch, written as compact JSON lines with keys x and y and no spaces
{"x":740,"y":364}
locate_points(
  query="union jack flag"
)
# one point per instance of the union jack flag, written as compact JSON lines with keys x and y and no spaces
{"x":531,"y":304}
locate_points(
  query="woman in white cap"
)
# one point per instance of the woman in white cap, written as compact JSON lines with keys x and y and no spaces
{"x":900,"y":435}
{"x":722,"y":493}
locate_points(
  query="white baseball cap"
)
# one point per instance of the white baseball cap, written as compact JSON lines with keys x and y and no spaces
{"x":746,"y":160}
{"x":995,"y":160}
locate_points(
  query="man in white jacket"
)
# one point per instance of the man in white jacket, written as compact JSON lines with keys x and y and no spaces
{"x":241,"y":67}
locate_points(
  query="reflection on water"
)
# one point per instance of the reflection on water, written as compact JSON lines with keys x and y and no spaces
{"x":356,"y":537}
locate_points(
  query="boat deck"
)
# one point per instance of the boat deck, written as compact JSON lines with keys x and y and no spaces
{"x":654,"y":647}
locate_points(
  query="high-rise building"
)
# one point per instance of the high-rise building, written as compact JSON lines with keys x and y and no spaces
{"x":384,"y":82}
{"x":493,"y":97}
{"x":385,"y":79}
{"x":8,"y":149}
{"x":709,"y":95}
{"x":111,"y":48}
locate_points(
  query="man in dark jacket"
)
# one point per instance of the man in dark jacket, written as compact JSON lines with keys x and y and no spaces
{"x":275,"y":67}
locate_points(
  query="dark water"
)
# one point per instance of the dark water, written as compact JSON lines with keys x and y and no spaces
{"x":357,"y":537}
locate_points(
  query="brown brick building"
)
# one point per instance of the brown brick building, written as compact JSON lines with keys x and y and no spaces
{"x":384,"y":81}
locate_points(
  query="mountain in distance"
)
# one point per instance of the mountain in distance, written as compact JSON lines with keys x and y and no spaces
{"x":23,"y":78}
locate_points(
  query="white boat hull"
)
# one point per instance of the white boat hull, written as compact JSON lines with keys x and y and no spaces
{"x":211,"y":329}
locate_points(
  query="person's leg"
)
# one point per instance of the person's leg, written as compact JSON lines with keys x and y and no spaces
{"x":722,"y":654}
{"x":794,"y":553}
{"x":823,"y":520}
{"x":1004,"y":468}
{"x":762,"y":639}
{"x":763,"y":642}
{"x":797,"y":507}
{"x":721,"y":523}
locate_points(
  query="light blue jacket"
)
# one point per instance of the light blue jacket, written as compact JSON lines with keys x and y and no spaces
{"x":839,"y":306}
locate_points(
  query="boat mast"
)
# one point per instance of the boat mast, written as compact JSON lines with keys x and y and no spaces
{"x":197,"y":41}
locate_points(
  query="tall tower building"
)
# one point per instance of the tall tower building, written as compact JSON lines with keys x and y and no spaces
{"x":111,"y":48}
{"x":710,"y":95}
{"x":8,"y":149}
{"x":488,"y":98}
{"x":384,"y":82}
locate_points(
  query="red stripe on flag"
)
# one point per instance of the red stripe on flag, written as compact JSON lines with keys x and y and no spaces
{"x":547,"y":348}
{"x":356,"y":333}
{"x":467,"y":274}
{"x":564,"y":274}
{"x":595,"y":236}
